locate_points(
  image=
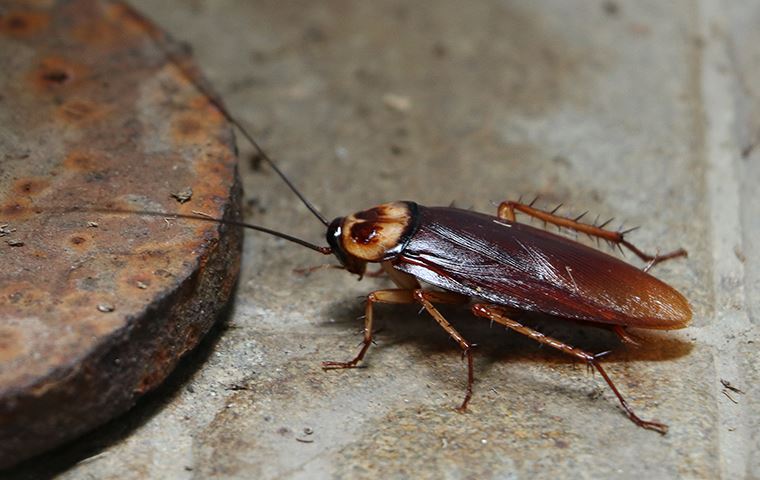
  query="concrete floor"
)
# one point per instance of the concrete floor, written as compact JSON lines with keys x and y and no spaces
{"x":645,"y":111}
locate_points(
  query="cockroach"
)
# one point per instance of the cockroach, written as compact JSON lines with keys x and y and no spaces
{"x":498,"y":265}
{"x":494,"y":264}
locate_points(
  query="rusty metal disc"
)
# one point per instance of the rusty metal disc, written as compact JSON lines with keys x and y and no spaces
{"x":96,"y":308}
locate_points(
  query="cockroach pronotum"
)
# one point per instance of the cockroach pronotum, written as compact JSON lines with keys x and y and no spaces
{"x":493,"y":263}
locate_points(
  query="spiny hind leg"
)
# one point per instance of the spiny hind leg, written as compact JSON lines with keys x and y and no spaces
{"x":496,"y":314}
{"x":507,"y":211}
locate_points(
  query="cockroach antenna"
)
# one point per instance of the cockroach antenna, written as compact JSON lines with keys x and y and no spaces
{"x":163,"y":39}
{"x":271,"y":163}
{"x":219,"y":106}
{"x":203,"y":218}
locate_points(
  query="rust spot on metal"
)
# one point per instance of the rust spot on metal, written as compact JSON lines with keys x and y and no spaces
{"x":19,"y":209}
{"x":55,"y":76}
{"x":55,"y":73}
{"x":30,"y":186}
{"x":188,"y":127}
{"x":23,"y":24}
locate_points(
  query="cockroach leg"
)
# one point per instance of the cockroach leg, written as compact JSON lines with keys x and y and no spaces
{"x":649,"y":425}
{"x":495,"y":314}
{"x":426,"y":299}
{"x":397,"y":296}
{"x":404,"y":294}
{"x":624,"y":336}
{"x":651,"y":260}
{"x":507,"y":211}
{"x":620,"y":331}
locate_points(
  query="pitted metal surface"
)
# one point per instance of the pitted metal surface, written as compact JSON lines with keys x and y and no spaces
{"x":96,"y":308}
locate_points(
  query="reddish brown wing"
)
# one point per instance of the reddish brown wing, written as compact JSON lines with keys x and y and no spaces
{"x":530,"y":269}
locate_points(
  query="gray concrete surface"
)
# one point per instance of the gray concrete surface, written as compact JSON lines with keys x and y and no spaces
{"x":646,"y":111}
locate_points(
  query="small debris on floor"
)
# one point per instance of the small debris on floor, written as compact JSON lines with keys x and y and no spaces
{"x":728,"y":387}
{"x":5,"y":229}
{"x":236,"y":387}
{"x":397,"y":102}
{"x":106,"y":307}
{"x":183,"y":196}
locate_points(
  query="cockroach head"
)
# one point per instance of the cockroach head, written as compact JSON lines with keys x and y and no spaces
{"x":374,"y":235}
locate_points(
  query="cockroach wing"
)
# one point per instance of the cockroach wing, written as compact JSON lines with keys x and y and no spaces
{"x":519,"y":266}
